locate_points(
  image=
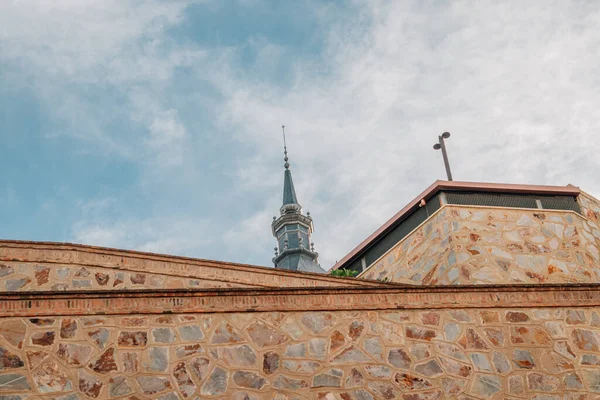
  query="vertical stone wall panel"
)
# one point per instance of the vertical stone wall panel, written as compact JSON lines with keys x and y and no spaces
{"x":476,"y":353}
{"x":462,"y":245}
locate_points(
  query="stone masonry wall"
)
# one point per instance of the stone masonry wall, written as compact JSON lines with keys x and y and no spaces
{"x":543,"y":353}
{"x":480,"y":245}
{"x":51,"y":267}
{"x":25,"y":277}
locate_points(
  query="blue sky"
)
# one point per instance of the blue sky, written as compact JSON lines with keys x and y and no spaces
{"x":155,"y":125}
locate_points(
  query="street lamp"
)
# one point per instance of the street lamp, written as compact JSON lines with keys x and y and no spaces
{"x":441,"y":145}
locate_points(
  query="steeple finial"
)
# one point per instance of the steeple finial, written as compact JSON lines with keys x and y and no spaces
{"x":285,"y":157}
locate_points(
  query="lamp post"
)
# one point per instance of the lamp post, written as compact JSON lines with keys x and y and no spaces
{"x":442,"y":146}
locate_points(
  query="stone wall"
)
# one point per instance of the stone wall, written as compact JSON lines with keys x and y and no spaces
{"x":461,"y":245}
{"x":536,"y":353}
{"x":35,"y":266}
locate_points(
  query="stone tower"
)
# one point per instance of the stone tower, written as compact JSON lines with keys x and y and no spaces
{"x":295,"y":251}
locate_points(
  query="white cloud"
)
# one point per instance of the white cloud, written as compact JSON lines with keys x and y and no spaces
{"x":513,"y":82}
{"x":70,"y":51}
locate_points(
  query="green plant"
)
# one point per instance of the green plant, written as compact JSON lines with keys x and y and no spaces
{"x":344,"y":272}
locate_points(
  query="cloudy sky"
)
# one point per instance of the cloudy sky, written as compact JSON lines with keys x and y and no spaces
{"x":156,"y":125}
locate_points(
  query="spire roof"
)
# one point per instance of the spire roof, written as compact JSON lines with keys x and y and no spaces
{"x":289,"y":193}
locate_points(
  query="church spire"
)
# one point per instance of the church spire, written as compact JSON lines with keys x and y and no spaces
{"x":289,"y":193}
{"x":293,"y":229}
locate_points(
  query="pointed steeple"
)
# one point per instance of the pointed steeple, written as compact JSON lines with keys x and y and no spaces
{"x":290,"y":201}
{"x":292,"y":229}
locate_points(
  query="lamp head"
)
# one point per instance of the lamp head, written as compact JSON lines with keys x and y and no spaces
{"x":437,"y":146}
{"x":446,"y":135}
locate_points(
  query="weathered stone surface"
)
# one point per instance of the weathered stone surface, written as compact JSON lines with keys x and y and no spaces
{"x":575,"y":317}
{"x":138,"y":279}
{"x":163,"y":335}
{"x":248,"y":380}
{"x":132,"y":339}
{"x":326,"y":380}
{"x":411,"y":382}
{"x":355,"y":330}
{"x":374,"y":347}
{"x":6,"y":270}
{"x":378,"y":371}
{"x":486,"y":385}
{"x":105,"y":363}
{"x":74,"y":354}
{"x":590,"y":359}
{"x":118,"y":386}
{"x":238,"y":356}
{"x":13,"y":331}
{"x":188,"y":350}
{"x":226,"y":333}
{"x":35,"y":357}
{"x":495,"y":336}
{"x":523,"y":359}
{"x":317,"y":322}
{"x":68,"y":328}
{"x":216,"y":384}
{"x":431,"y":395}
{"x":100,"y":337}
{"x":414,"y":332}
{"x":542,"y":382}
{"x":102,"y":279}
{"x":527,"y":335}
{"x":12,"y":285}
{"x":14,"y":382}
{"x":337,"y":340}
{"x":9,"y":360}
{"x":591,"y":378}
{"x":90,"y":385}
{"x":471,"y":340}
{"x":130,"y":362}
{"x":43,"y":338}
{"x":297,"y":350}
{"x":384,"y":390}
{"x":270,"y":362}
{"x":186,"y":386}
{"x":516,"y":385}
{"x":350,"y":355}
{"x":157,"y":359}
{"x":317,"y":348}
{"x":430,"y":368}
{"x":480,"y":362}
{"x":399,"y":358}
{"x":41,"y":275}
{"x":190,"y":333}
{"x":199,"y":367}
{"x":453,"y":386}
{"x":300,"y":367}
{"x":284,"y":382}
{"x":42,"y":322}
{"x":151,"y":384}
{"x":50,"y":378}
{"x":501,"y":363}
{"x":573,"y":381}
{"x":455,"y":368}
{"x":585,"y":340}
{"x":354,"y":379}
{"x":264,"y":335}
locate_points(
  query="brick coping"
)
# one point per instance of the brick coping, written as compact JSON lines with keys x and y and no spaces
{"x":37,"y":304}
